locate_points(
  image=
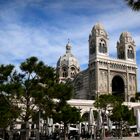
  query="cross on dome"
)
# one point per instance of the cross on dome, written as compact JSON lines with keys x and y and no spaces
{"x":68,"y":47}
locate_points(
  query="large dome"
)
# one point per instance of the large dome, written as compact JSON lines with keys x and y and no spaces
{"x":68,"y":58}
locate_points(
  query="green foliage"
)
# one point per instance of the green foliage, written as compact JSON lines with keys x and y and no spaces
{"x":67,"y":115}
{"x":119,"y":112}
{"x":123,"y":113}
{"x":5,"y":72}
{"x":106,"y":100}
{"x":8,"y":111}
{"x":37,"y":82}
{"x":95,"y":114}
{"x":34,"y":87}
{"x":63,"y":92}
{"x":134,"y":4}
{"x":27,"y":87}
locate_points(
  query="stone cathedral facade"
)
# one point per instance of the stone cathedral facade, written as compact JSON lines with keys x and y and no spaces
{"x":104,"y":75}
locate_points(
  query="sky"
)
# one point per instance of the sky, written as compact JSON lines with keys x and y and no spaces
{"x":42,"y":28}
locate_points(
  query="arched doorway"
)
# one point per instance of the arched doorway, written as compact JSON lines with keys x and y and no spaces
{"x":85,"y":116}
{"x":118,"y":87}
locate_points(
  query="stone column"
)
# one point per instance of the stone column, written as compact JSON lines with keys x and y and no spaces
{"x":127,"y":85}
{"x":97,"y":78}
{"x":108,"y":80}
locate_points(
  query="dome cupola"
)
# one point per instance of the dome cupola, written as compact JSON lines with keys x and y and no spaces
{"x":98,"y":29}
{"x":67,"y":65}
{"x":126,"y":37}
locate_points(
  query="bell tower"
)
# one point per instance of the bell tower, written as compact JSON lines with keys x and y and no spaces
{"x":126,"y":47}
{"x":98,"y":50}
{"x":98,"y":42}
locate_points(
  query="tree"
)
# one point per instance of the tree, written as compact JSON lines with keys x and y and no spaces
{"x":33,"y":89}
{"x":9,"y":111}
{"x":36,"y":81}
{"x":123,"y":117}
{"x":120,"y":114}
{"x":63,"y":111}
{"x":104,"y":101}
{"x":67,"y":115}
{"x":134,"y":4}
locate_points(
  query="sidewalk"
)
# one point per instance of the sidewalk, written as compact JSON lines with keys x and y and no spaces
{"x":113,"y":138}
{"x":124,"y":138}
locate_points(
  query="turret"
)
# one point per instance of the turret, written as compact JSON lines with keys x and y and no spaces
{"x":126,"y":47}
{"x":98,"y":42}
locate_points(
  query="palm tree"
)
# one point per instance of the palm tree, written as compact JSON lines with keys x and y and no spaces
{"x":134,"y":4}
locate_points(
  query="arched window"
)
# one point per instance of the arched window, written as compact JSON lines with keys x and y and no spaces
{"x":92,"y":48}
{"x":130,"y":52}
{"x":64,"y":72}
{"x":121,"y":53}
{"x":73,"y":72}
{"x":102,"y":46}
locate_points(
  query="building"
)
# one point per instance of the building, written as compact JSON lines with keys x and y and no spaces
{"x":104,"y":75}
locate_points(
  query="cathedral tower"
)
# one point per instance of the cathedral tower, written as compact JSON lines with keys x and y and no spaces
{"x":98,"y":42}
{"x":98,"y":49}
{"x":67,"y":65}
{"x":126,"y":47}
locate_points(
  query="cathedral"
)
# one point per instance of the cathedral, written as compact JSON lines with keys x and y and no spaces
{"x":104,"y":75}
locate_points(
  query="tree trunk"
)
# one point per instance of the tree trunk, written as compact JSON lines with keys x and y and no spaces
{"x":11,"y":134}
{"x":25,"y":131}
{"x":2,"y":132}
{"x":65,"y":131}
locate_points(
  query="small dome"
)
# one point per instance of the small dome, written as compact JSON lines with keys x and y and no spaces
{"x":98,"y":26}
{"x":125,"y":35}
{"x":98,"y":29}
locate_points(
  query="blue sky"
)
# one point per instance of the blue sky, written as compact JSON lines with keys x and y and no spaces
{"x":42,"y":27}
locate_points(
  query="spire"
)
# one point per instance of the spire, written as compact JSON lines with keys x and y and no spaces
{"x":68,"y":47}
